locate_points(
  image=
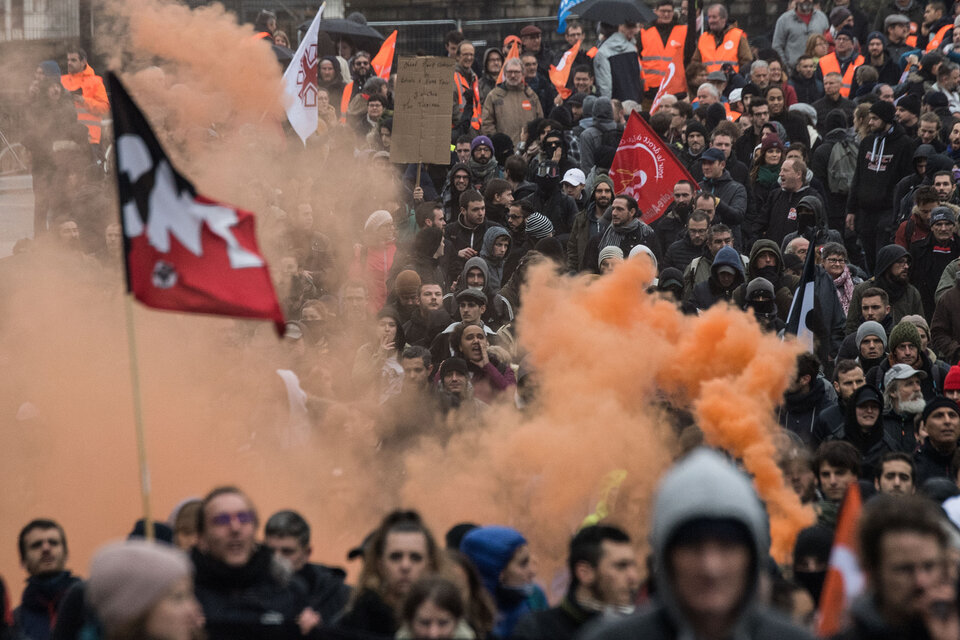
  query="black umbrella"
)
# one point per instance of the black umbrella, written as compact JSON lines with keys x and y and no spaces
{"x":284,"y":55}
{"x":353,"y":28}
{"x":615,"y":11}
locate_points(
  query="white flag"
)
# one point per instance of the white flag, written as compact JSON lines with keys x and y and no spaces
{"x":300,"y":83}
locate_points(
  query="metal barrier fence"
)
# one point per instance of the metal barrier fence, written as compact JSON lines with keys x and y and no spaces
{"x":426,"y":37}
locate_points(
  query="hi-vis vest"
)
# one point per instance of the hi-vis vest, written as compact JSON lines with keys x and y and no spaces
{"x":464,"y":86}
{"x":345,"y":102}
{"x":912,"y":38}
{"x":937,"y":39}
{"x":656,"y":58}
{"x":715,"y":57}
{"x":830,"y":64}
{"x":732,"y":115}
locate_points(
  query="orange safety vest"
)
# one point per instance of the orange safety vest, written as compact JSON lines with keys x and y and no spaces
{"x":656,"y":58}
{"x":714,"y":57}
{"x":463,"y":85}
{"x":345,"y":102}
{"x":95,"y":103}
{"x":912,"y":38}
{"x":732,"y":115}
{"x":830,"y":64}
{"x":938,"y":38}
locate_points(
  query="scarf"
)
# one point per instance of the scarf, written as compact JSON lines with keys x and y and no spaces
{"x":767,"y":175}
{"x":613,"y":236}
{"x":844,"y":285}
{"x":482,"y":172}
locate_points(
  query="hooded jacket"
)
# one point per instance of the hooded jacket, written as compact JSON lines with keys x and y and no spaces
{"x":588,"y":224}
{"x":784,"y":284}
{"x":790,"y":34}
{"x":708,"y":293}
{"x":491,"y":549}
{"x":882,"y":160}
{"x":824,"y":232}
{"x":904,"y":299}
{"x":494,"y":265}
{"x":603,"y":132}
{"x":733,"y":201}
{"x":909,"y":183}
{"x":702,"y":486}
{"x":616,"y":69}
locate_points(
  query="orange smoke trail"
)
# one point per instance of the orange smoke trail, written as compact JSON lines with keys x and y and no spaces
{"x":606,"y":355}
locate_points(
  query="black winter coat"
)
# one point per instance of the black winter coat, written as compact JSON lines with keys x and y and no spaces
{"x":250,"y":602}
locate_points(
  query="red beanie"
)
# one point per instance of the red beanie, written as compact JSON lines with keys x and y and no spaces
{"x":952,"y":381}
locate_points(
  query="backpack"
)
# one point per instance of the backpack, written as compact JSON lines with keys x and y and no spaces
{"x":842,"y":165}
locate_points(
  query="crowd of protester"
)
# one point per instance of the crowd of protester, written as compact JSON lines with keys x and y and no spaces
{"x":838,"y":133}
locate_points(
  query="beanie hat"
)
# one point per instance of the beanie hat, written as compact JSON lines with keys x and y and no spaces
{"x":910,"y":102}
{"x":613,"y":251}
{"x":887,"y":256}
{"x":376,"y":220}
{"x":846,"y":31}
{"x":952,"y":381}
{"x":481,"y":140}
{"x":838,"y":15}
{"x":918,"y":321}
{"x":452,"y":364}
{"x":51,"y":70}
{"x":491,"y":549}
{"x":770,"y":141}
{"x":644,"y":249}
{"x":936,"y":99}
{"x":938,"y":402}
{"x":836,"y":119}
{"x":694,"y":126}
{"x":876,"y":35}
{"x":128,"y":578}
{"x":883,"y":110}
{"x":538,"y":226}
{"x":904,"y":332}
{"x":669,"y":278}
{"x":759,"y":287}
{"x":871,"y":328}
{"x":816,"y":541}
{"x":588,"y":103}
{"x":407,"y":282}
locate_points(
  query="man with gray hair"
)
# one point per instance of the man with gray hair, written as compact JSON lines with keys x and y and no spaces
{"x":287,"y":533}
{"x":722,"y":43}
{"x":902,"y":403}
{"x":794,"y":27}
{"x":510,"y":105}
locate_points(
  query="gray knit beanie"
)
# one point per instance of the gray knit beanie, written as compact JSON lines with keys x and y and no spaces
{"x":871,"y":328}
{"x":128,"y":578}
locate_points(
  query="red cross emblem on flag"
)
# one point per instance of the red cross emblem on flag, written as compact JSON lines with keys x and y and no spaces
{"x":307,"y":77}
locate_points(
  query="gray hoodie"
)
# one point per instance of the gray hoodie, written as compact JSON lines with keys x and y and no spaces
{"x":702,"y":485}
{"x":494,"y":265}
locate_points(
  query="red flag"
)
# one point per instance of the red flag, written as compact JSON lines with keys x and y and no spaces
{"x":513,"y":53}
{"x":844,"y":579}
{"x":184,"y":252}
{"x":382,"y":63}
{"x":561,"y":73}
{"x":646,"y":169}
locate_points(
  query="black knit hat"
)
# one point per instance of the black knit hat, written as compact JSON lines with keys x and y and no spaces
{"x":883,"y":110}
{"x":453,"y":364}
{"x":939,"y":402}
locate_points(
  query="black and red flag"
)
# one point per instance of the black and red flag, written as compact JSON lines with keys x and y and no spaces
{"x":184,"y":251}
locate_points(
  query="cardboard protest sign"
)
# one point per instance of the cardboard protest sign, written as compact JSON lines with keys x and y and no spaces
{"x":423,"y":108}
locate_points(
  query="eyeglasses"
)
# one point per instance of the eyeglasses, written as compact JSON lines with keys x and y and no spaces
{"x":224,"y":519}
{"x":834,"y":260}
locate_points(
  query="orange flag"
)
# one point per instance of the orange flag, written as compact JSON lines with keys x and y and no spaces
{"x":560,"y":73}
{"x":382,"y":63}
{"x":514,"y":53}
{"x":844,"y":580}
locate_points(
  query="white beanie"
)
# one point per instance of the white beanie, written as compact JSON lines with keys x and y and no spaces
{"x":376,"y":220}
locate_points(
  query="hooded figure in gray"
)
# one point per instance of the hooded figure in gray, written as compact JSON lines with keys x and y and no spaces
{"x":704,"y":499}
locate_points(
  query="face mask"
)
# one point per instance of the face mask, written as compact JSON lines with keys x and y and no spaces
{"x":768,"y":273}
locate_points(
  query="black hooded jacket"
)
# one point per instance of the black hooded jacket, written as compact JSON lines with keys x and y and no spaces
{"x":882,"y":160}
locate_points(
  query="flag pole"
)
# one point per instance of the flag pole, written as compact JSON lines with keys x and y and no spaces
{"x":138,"y":421}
